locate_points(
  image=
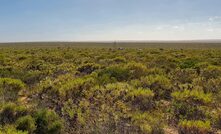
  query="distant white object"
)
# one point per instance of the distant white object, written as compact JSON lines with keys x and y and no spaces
{"x":120,"y":48}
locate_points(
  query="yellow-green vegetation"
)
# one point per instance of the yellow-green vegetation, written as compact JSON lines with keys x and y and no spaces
{"x":194,"y":127}
{"x":62,"y":90}
{"x":11,"y":130}
{"x":9,"y":89}
{"x":192,"y":95}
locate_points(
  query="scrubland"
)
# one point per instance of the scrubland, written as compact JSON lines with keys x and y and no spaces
{"x":58,"y":90}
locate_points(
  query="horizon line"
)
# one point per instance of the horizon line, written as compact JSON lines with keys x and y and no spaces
{"x":121,"y":41}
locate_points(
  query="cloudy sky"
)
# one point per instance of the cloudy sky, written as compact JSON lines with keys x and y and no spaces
{"x":106,"y":20}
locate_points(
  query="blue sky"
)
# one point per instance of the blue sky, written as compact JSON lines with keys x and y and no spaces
{"x":86,"y":20}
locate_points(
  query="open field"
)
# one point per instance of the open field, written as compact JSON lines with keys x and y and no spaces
{"x":110,"y":88}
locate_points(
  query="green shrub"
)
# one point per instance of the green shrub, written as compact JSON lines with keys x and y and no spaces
{"x":113,"y":74}
{"x":9,"y":89}
{"x":110,"y":94}
{"x":11,"y":72}
{"x":192,"y":96}
{"x":32,"y":77}
{"x":160,"y":85}
{"x":37,"y":64}
{"x":167,"y":63}
{"x":26,"y":123}
{"x":10,"y":112}
{"x":64,"y":87}
{"x":78,"y":112}
{"x":148,"y":123}
{"x":108,"y":104}
{"x":188,"y":63}
{"x":185,"y":110}
{"x":116,"y":90}
{"x":209,"y":86}
{"x":7,"y":114}
{"x":136,"y":70}
{"x":151,"y":80}
{"x":119,"y":59}
{"x":135,"y":83}
{"x":55,"y":127}
{"x":11,"y":130}
{"x":155,"y":71}
{"x":194,"y":127}
{"x":211,"y":72}
{"x":88,"y":68}
{"x":48,"y":122}
{"x":74,"y":88}
{"x":216,"y":119}
{"x":141,"y":98}
{"x":183,"y":75}
{"x":190,"y":104}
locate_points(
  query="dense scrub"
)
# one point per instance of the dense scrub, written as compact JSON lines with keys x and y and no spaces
{"x":70,"y":90}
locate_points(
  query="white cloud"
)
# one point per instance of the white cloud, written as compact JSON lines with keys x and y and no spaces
{"x":159,"y":28}
{"x":210,"y":30}
{"x":171,"y":31}
{"x":215,"y":18}
{"x":178,"y":27}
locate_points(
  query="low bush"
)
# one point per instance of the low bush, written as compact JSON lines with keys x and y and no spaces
{"x":184,"y":110}
{"x":188,"y":63}
{"x":148,"y":123}
{"x":10,"y":112}
{"x":167,"y":63}
{"x":141,"y":99}
{"x":119,"y":59}
{"x":113,"y":74}
{"x":9,"y":89}
{"x":11,"y":130}
{"x":64,"y":87}
{"x":217,"y":119}
{"x":193,"y":96}
{"x":26,"y":123}
{"x":48,"y":122}
{"x":73,"y":88}
{"x":159,"y":84}
{"x":183,"y":75}
{"x":211,"y":72}
{"x":136,"y":70}
{"x":88,"y":68}
{"x":32,"y":77}
{"x":37,"y":64}
{"x":194,"y":127}
{"x":156,"y":71}
{"x":190,"y":105}
{"x":122,"y":73}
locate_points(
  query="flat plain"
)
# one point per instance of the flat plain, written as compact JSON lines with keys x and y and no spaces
{"x":110,"y":87}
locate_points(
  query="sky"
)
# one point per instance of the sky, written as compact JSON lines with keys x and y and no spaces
{"x":108,"y":20}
